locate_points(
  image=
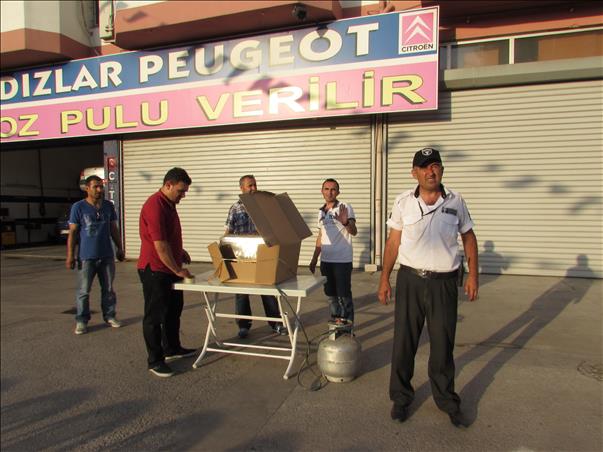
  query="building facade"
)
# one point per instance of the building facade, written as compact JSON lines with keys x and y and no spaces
{"x":296,"y":92}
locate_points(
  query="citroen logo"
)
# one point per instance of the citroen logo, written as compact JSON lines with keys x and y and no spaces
{"x":418,"y":27}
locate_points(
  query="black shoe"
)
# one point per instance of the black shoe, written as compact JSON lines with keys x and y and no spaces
{"x":457,"y":419}
{"x":399,"y":412}
{"x":162,"y":370}
{"x":280,"y":329}
{"x":243,"y":332}
{"x":180,"y":353}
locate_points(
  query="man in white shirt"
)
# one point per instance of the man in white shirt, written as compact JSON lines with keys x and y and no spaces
{"x":337,"y":225}
{"x":424,"y":228}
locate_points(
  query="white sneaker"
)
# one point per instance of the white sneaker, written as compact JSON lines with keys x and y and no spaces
{"x":113,"y":322}
{"x":81,"y":328}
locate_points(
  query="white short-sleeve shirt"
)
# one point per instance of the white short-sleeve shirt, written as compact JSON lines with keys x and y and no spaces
{"x":336,"y":241}
{"x":430,"y":233}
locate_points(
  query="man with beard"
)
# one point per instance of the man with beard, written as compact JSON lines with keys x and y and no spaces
{"x":238,"y":222}
{"x":92,"y":225}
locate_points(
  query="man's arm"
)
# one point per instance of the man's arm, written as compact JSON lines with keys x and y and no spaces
{"x":229,"y":223}
{"x":390,"y":253}
{"x":470,"y":247}
{"x":317,"y":249}
{"x":165,"y":254}
{"x":71,"y":242}
{"x":351,"y":226}
{"x":117,"y":240}
{"x":348,"y":223}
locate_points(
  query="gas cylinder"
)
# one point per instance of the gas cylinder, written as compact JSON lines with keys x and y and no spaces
{"x":339,"y":353}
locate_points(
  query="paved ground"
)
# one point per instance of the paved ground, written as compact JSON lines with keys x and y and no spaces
{"x":528,"y":363}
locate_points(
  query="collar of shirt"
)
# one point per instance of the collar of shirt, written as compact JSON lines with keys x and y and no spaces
{"x":426,"y":209}
{"x":166,"y":199}
{"x":325,"y":209}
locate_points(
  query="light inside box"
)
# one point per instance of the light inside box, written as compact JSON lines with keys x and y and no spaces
{"x":241,"y":247}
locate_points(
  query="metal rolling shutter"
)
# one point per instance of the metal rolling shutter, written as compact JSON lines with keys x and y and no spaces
{"x":294,"y":160}
{"x":528,"y":160}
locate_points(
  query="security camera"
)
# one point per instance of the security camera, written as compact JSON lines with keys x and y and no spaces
{"x":299,"y":12}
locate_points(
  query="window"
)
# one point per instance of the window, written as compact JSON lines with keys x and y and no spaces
{"x":95,"y":14}
{"x":479,"y":54}
{"x":521,"y":49}
{"x":443,"y":54}
{"x":559,"y":47}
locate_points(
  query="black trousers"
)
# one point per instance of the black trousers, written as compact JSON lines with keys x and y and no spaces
{"x":162,"y":310}
{"x":418,"y":299}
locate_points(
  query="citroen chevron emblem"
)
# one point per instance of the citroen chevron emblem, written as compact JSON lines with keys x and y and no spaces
{"x":418,"y":27}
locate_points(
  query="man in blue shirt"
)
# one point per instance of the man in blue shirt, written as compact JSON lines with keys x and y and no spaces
{"x":92,"y":225}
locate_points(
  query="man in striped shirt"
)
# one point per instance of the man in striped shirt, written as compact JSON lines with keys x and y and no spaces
{"x":239,"y":222}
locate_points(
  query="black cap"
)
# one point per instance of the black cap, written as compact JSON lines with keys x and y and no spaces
{"x":426,"y":156}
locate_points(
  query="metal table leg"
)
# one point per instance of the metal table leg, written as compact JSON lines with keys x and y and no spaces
{"x":210,"y":312}
{"x":292,"y":337}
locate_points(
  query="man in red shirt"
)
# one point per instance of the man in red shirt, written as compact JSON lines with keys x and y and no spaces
{"x":160,"y":266}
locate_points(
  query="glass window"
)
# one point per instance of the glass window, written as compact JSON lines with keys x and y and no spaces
{"x":96,"y":13}
{"x":442,"y":54}
{"x":480,"y":54}
{"x":559,"y":47}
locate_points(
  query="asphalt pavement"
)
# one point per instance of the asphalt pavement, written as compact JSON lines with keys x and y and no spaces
{"x":528,"y":361}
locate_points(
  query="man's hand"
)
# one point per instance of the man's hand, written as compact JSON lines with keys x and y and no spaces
{"x":71,"y":246}
{"x":470,"y":248}
{"x":390,"y":253}
{"x":385,"y":291}
{"x":313,"y":265}
{"x":186,"y":258}
{"x":342,"y":217}
{"x":120,"y":255}
{"x":165,"y":254}
{"x":184,"y":273}
{"x":471,"y":287}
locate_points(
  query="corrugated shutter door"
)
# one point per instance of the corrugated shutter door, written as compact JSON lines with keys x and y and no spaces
{"x":528,"y":160}
{"x":294,"y":160}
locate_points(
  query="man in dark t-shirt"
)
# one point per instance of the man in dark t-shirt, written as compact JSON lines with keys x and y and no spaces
{"x":92,"y":226}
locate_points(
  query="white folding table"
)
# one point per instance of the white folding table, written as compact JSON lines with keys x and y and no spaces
{"x":300,"y":286}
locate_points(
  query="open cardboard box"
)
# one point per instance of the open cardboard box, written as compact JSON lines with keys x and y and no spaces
{"x":282,"y":228}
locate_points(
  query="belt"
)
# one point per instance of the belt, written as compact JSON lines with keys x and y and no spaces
{"x":426,"y":274}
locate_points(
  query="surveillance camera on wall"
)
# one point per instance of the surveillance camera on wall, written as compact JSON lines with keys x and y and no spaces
{"x":299,"y":12}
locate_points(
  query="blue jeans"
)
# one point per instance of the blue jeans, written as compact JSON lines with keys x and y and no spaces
{"x":339,"y":288}
{"x":104,"y":269}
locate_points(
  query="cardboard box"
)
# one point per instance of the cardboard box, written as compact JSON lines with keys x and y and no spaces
{"x":282,"y":229}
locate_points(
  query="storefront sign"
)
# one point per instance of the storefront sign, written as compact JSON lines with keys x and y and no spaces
{"x":373,"y":64}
